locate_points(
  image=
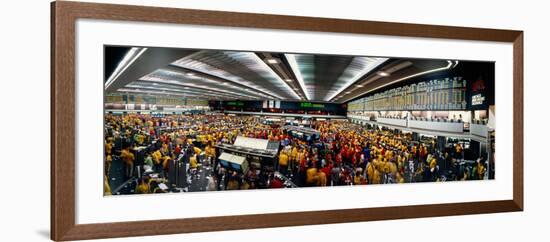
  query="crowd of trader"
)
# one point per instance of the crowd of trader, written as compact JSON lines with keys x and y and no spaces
{"x":344,"y":154}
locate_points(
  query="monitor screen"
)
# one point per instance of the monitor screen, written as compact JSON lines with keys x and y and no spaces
{"x":236,"y":166}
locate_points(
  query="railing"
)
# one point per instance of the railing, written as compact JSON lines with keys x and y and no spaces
{"x":358,"y":117}
{"x":455,"y":127}
{"x":479,"y":129}
{"x":445,"y":125}
{"x":393,"y":121}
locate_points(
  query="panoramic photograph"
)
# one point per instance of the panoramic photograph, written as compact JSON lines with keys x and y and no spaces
{"x":191,"y":120}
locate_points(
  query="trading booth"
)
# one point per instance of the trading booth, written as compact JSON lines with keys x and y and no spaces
{"x":259,"y":153}
{"x":303,"y":133}
{"x":235,"y":162}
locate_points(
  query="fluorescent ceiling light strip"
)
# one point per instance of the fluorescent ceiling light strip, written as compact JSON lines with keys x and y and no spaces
{"x":201,"y":67}
{"x":162,"y":93}
{"x":195,"y":65}
{"x":291,"y":58}
{"x":161,"y":74}
{"x":194,"y":91}
{"x":179,"y":83}
{"x":127,"y":61}
{"x":267,"y":68}
{"x":370,"y":64}
{"x":456,"y":63}
{"x":253,"y":62}
{"x":405,"y":78}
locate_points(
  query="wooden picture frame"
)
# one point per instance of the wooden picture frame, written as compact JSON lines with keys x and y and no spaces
{"x":63,"y":18}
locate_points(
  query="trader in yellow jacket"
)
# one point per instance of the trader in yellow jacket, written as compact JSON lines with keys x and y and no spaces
{"x":166,"y":162}
{"x":109,"y":146}
{"x":193,"y":161}
{"x":157,"y":161}
{"x":106,"y":187}
{"x":377,"y":177}
{"x":156,"y":157}
{"x":143,"y":187}
{"x":370,"y":171}
{"x":128,"y":157}
{"x":283,"y":162}
{"x":433,"y":163}
{"x":294,"y":153}
{"x":321,"y":179}
{"x":210,"y":151}
{"x":312,"y":177}
{"x":480,"y":169}
{"x":197,"y":150}
{"x":108,"y":162}
{"x":400,"y":178}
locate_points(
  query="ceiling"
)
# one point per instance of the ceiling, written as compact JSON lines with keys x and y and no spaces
{"x":232,"y":75}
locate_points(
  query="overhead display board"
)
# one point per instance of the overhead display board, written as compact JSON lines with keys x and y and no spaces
{"x":466,"y":87}
{"x":438,"y":94}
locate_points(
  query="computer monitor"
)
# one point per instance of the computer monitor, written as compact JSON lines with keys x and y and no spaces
{"x":236,"y":166}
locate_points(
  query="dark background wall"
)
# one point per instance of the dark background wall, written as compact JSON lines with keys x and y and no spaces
{"x":285,"y":106}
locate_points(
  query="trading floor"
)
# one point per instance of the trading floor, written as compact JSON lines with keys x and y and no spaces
{"x":182,"y":153}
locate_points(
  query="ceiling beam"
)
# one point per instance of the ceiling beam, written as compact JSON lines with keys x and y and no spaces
{"x":149,"y":61}
{"x":291,"y":59}
{"x":367,"y":63}
{"x":180,"y":90}
{"x":282,"y":69}
{"x":222,"y":81}
{"x":146,"y":91}
{"x":190,"y":85}
{"x":201,"y":67}
{"x":261,"y":65}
